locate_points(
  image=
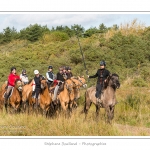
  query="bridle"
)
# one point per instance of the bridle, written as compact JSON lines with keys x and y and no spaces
{"x":69,"y":87}
{"x":115,"y":83}
{"x":19,"y":87}
{"x":83,"y":84}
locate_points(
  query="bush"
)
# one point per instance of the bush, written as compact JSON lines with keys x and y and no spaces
{"x":139,"y":82}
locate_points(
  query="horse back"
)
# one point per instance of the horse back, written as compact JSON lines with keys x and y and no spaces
{"x":90,"y":94}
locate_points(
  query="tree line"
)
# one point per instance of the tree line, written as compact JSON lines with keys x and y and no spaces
{"x":35,"y":32}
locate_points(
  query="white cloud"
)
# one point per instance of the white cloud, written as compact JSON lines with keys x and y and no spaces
{"x":20,"y":21}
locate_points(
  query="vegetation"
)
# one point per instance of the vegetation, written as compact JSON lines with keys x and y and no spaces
{"x":126,"y":52}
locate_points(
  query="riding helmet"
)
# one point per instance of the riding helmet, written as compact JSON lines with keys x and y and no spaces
{"x":50,"y":67}
{"x":36,"y":72}
{"x":61,"y":69}
{"x":102,"y":63}
{"x":23,"y":71}
{"x":12,"y":68}
{"x":64,"y":68}
{"x":69,"y":68}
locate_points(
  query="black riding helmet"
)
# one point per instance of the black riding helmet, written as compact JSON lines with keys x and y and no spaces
{"x":50,"y":67}
{"x":64,"y":67}
{"x":23,"y":71}
{"x":12,"y":68}
{"x":102,"y":63}
{"x":69,"y":68}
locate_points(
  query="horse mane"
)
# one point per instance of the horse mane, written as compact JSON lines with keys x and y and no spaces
{"x":30,"y":81}
{"x":74,"y":77}
{"x":114,"y":74}
{"x":108,"y":79}
{"x":17,"y":80}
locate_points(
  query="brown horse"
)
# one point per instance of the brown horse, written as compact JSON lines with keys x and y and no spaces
{"x":45,"y":98}
{"x":43,"y":101}
{"x":108,"y":97}
{"x":78,"y":83}
{"x":15,"y":98}
{"x":66,"y":96}
{"x":26,"y":95}
{"x":2,"y":91}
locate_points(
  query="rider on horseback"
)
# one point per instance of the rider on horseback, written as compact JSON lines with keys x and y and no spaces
{"x":11,"y":82}
{"x":69,"y":73}
{"x":102,"y":75}
{"x":24,"y":77}
{"x":37,"y":85}
{"x":60,"y":77}
{"x":50,"y":75}
{"x":64,"y":72}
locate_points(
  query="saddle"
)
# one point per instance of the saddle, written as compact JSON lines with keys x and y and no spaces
{"x":61,"y":88}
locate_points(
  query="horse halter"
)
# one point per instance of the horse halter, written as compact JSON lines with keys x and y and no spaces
{"x":19,"y":87}
{"x":43,"y":85}
{"x":115,"y":82}
{"x":83,"y":84}
{"x":76,"y":86}
{"x":69,"y":87}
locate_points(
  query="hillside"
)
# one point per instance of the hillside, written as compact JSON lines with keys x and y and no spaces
{"x":126,"y":54}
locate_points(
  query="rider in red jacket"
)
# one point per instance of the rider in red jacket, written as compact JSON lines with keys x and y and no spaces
{"x":11,"y":82}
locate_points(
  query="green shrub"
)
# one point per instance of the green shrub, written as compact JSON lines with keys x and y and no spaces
{"x":59,"y":36}
{"x":139,"y":82}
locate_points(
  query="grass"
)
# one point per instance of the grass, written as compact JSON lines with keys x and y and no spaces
{"x":127,"y":122}
{"x":132,"y":118}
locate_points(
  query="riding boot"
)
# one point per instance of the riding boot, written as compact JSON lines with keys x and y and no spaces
{"x":6,"y":98}
{"x":100,"y":101}
{"x":55,"y":92}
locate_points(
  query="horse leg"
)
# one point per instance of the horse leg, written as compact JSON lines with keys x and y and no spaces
{"x":97,"y":111}
{"x":64,"y":107}
{"x":24,"y":106}
{"x":110,"y":113}
{"x":75,"y":105}
{"x":86,"y":108}
{"x":6,"y":108}
{"x":36,"y":106}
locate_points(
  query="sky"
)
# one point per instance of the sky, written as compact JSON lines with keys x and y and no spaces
{"x":86,"y":20}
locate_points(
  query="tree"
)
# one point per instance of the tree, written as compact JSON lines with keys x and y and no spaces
{"x":102,"y":28}
{"x":33,"y":32}
{"x":90,"y":31}
{"x":78,"y":28}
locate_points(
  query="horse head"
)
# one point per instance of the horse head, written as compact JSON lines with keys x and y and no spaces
{"x":75,"y":83}
{"x":82,"y":81}
{"x":69,"y":85}
{"x":113,"y":81}
{"x":43,"y":84}
{"x":18,"y":85}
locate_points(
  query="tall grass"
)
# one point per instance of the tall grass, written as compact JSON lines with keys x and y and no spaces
{"x":131,"y":119}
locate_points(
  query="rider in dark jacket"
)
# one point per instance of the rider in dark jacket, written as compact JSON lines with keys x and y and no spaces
{"x":37,"y":85}
{"x":102,"y":75}
{"x":60,"y":77}
{"x":69,"y":73}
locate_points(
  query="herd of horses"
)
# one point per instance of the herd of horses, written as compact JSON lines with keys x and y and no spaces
{"x":21,"y":100}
